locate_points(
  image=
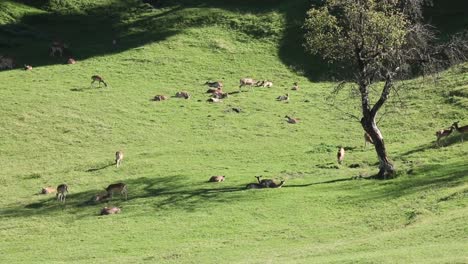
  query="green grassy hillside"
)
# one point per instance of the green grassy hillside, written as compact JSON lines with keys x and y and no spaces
{"x":55,"y":128}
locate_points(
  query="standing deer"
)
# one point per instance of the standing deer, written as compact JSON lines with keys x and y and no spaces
{"x":443,"y":133}
{"x":118,"y":158}
{"x":247,"y":82}
{"x":99,"y":79}
{"x":340,"y":155}
{"x":462,"y":130}
{"x":367,"y":139}
{"x":62,"y":191}
{"x":117,"y":187}
{"x":57,"y":47}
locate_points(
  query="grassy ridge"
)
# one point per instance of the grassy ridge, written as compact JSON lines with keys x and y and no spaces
{"x":55,"y":128}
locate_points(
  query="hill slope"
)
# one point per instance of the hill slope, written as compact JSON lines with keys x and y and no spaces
{"x":55,"y":128}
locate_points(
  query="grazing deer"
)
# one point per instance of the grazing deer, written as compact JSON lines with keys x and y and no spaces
{"x":110,"y":210}
{"x":48,"y":190}
{"x":160,"y":98}
{"x":443,"y":133}
{"x":367,"y":139}
{"x":283,"y":97}
{"x":99,"y":79}
{"x":340,"y":155}
{"x":57,"y":47}
{"x":266,"y":183}
{"x":71,"y":61}
{"x":462,"y":130}
{"x":292,"y":120}
{"x":118,"y":158}
{"x":27,"y":67}
{"x":62,"y":191}
{"x":295,"y":87}
{"x":247,"y":82}
{"x":183,"y":94}
{"x":254,"y":186}
{"x":216,"y":84}
{"x":217,"y":178}
{"x":117,"y":187}
{"x":6,"y":62}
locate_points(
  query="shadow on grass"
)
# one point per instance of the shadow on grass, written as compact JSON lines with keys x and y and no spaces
{"x":452,"y":140}
{"x":430,"y":177}
{"x":101,"y":167}
{"x":171,"y":192}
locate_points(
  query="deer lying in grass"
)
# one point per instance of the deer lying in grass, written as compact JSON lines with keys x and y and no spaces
{"x":265,"y":182}
{"x":118,"y":158}
{"x":443,"y":133}
{"x":182,"y":94}
{"x":217,"y":178}
{"x":62,"y":191}
{"x":101,"y":197}
{"x":277,"y":185}
{"x":57,"y":47}
{"x":267,"y":84}
{"x":117,"y":187}
{"x":462,"y":130}
{"x":48,"y":190}
{"x":340,"y":155}
{"x":367,"y":139}
{"x":283,"y":97}
{"x":28,"y":67}
{"x":160,"y":98}
{"x":6,"y":62}
{"x":219,"y":94}
{"x":214,"y":100}
{"x":247,"y":82}
{"x":254,"y":186}
{"x":295,"y":87}
{"x":71,"y":61}
{"x":99,"y":79}
{"x":110,"y":210}
{"x":216,"y":84}
{"x":292,"y":120}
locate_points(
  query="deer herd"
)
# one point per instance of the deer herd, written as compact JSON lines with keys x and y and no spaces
{"x":217,"y":94}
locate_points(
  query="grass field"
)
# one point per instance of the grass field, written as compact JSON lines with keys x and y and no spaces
{"x":55,"y":128}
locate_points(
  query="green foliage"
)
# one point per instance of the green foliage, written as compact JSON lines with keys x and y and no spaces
{"x":340,"y":28}
{"x":55,"y":128}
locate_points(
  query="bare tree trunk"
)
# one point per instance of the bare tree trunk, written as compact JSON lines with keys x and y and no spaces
{"x":386,"y":168}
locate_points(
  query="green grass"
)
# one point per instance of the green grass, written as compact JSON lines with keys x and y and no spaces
{"x":55,"y":128}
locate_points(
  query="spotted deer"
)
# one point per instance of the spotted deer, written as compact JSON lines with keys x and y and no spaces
{"x":62,"y":191}
{"x":99,"y":79}
{"x":117,"y":187}
{"x":118,"y":158}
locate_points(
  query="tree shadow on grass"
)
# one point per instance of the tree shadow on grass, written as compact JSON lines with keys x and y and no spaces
{"x":170,"y":192}
{"x":430,"y":177}
{"x":452,"y":140}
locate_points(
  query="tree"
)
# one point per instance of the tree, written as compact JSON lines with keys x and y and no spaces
{"x":378,"y":41}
